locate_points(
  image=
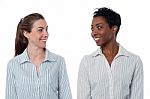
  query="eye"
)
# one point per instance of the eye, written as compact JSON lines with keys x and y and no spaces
{"x":92,"y":28}
{"x":47,"y":29}
{"x":99,"y":27}
{"x":40,"y":30}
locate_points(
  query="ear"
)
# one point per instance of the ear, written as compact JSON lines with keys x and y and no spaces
{"x":114,"y":29}
{"x":26,"y":34}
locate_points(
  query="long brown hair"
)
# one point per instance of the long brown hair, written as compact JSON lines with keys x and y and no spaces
{"x":25,"y":24}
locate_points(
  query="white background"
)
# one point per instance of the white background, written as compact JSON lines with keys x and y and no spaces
{"x":69,"y":31}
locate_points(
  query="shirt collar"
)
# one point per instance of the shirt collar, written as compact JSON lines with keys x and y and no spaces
{"x":122,"y":52}
{"x":49,"y":56}
{"x":25,"y":58}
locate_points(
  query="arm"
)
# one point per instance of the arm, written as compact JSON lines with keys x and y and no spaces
{"x":10,"y":84}
{"x":64,"y":88}
{"x":137,"y":81}
{"x":83,"y":87}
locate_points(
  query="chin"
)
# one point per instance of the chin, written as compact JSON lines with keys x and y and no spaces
{"x":99,"y":44}
{"x":43,"y":46}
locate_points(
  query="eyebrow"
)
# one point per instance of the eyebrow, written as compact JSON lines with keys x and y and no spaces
{"x":97,"y":24}
{"x":42,"y":27}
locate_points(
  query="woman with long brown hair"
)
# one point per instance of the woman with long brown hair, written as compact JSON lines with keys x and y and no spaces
{"x":35,"y":72}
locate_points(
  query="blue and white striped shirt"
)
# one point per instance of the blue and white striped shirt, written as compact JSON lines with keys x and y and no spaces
{"x":123,"y":80}
{"x":50,"y":83}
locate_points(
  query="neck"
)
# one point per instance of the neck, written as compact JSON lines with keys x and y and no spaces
{"x":35,"y":53}
{"x":111,"y":48}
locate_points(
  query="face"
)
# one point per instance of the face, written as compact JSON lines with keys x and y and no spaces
{"x":38,"y":35}
{"x":101,"y":32}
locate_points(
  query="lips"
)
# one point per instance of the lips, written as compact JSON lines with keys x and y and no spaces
{"x":44,"y":40}
{"x":97,"y":38}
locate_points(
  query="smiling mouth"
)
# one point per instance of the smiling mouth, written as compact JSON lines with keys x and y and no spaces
{"x":97,"y":38}
{"x":44,"y":40}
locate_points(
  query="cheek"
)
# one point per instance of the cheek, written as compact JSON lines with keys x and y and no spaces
{"x":35,"y":38}
{"x":110,"y":36}
{"x":92,"y":34}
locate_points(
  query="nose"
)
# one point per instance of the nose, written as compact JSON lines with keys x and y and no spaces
{"x":46,"y":34}
{"x":94,"y":32}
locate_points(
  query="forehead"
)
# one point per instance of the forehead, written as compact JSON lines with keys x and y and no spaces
{"x":40,"y":23}
{"x":99,"y":20}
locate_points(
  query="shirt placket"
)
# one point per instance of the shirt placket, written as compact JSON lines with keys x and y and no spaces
{"x":110,"y":75}
{"x":111,"y":85}
{"x":37,"y":82}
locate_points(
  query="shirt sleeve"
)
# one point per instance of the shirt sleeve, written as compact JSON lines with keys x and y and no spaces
{"x":137,"y":81}
{"x":10,"y":83}
{"x":83,"y":86}
{"x":64,"y":86}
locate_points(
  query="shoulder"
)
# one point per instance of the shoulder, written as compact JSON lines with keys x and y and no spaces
{"x":132,"y":57}
{"x":135,"y":61}
{"x":14,"y":59}
{"x":130,"y":54}
{"x":87,"y":59}
{"x":12,"y":63}
{"x":93,"y":54}
{"x":53,"y":56}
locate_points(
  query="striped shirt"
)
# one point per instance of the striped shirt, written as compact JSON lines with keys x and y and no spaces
{"x":51,"y":82}
{"x":123,"y":80}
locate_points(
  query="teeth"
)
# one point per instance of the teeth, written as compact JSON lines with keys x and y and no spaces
{"x":96,"y":39}
{"x":43,"y":40}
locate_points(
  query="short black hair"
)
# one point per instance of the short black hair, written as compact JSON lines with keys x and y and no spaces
{"x":111,"y":17}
